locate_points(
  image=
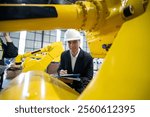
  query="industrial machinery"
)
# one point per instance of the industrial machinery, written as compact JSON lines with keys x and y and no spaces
{"x":116,"y":30}
{"x":40,"y":59}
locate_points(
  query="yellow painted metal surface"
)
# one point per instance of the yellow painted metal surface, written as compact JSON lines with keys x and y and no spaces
{"x":125,"y":71}
{"x":109,"y":23}
{"x":37,"y":85}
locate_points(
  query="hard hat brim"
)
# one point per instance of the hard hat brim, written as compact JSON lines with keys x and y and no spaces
{"x":72,"y":39}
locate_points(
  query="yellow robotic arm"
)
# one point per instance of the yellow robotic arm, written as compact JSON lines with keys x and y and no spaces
{"x":125,"y":71}
{"x":101,"y":19}
{"x":40,"y":59}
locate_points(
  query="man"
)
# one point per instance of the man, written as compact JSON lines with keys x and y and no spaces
{"x":7,"y":50}
{"x":76,"y":61}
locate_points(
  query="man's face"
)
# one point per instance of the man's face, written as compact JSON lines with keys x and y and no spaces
{"x":74,"y":45}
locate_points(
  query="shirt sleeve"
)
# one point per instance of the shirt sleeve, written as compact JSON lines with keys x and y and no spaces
{"x":10,"y":51}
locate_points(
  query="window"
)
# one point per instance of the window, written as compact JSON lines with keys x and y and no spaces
{"x":38,"y":39}
{"x":15,"y":36}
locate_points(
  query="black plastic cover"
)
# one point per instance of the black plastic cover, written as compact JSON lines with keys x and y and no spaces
{"x":26,"y":12}
{"x":25,"y":1}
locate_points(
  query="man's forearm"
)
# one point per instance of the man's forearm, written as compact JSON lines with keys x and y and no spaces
{"x":7,"y":37}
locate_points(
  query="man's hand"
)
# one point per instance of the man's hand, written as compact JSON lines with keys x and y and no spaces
{"x":7,"y":37}
{"x":62,"y":72}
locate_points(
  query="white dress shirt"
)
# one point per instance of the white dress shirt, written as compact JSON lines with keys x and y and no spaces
{"x":73,"y":59}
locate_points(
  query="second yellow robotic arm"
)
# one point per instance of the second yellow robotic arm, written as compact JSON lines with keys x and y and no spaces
{"x":40,"y":59}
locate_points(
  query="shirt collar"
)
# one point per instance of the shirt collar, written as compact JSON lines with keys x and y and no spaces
{"x":76,"y":54}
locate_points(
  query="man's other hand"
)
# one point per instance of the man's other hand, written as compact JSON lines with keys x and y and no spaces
{"x":63,"y":72}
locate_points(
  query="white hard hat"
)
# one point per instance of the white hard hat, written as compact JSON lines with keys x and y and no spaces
{"x":72,"y":34}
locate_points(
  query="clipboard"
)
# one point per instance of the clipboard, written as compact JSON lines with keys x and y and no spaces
{"x":75,"y":77}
